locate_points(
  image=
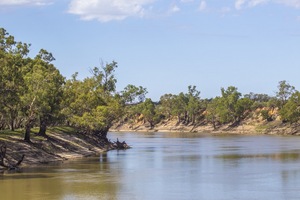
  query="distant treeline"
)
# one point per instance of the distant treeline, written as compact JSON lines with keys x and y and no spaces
{"x":229,"y":108}
{"x":33,"y":93}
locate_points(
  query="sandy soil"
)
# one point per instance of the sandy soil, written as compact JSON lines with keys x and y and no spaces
{"x":58,"y":146}
{"x":249,"y":126}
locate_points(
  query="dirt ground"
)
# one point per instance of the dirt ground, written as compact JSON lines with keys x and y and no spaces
{"x":60,"y":144}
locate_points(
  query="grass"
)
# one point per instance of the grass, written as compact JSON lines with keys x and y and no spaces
{"x":19,"y":133}
{"x":9,"y":133}
{"x":62,"y":130}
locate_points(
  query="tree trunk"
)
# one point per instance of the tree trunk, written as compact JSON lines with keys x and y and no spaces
{"x":43,"y":127}
{"x":27,"y":132}
{"x":13,"y":116}
{"x":12,"y":127}
{"x":193,"y":119}
{"x":214,"y":124}
{"x":102,"y":133}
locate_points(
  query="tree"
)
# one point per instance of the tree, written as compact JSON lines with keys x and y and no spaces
{"x":212,"y":112}
{"x":180,"y":107}
{"x":193,"y":105}
{"x":13,"y":58}
{"x":167,"y":105}
{"x":52,"y":93}
{"x":92,"y":104}
{"x":105,"y":77}
{"x":290,"y":111}
{"x":133,"y":94}
{"x":42,"y":93}
{"x":242,"y":106}
{"x":285,"y":90}
{"x":228,"y":101}
{"x":259,"y":100}
{"x":147,"y":109}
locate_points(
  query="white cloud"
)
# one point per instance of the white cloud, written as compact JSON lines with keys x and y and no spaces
{"x":174,"y":9}
{"x":203,"y":5}
{"x":253,"y":3}
{"x":24,"y":2}
{"x":293,"y":3}
{"x":107,"y":10}
{"x":239,"y":4}
{"x":186,"y":1}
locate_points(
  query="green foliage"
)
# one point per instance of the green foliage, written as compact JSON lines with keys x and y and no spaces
{"x":228,"y":104}
{"x":92,"y":104}
{"x":167,"y":105}
{"x":212,"y":111}
{"x":99,"y":118}
{"x":193,"y":104}
{"x":30,"y":89}
{"x":133,"y":94}
{"x":229,"y":108}
{"x":285,"y":90}
{"x":242,"y":105}
{"x":290,"y":112}
{"x":12,"y":61}
{"x":105,"y":77}
{"x":266,"y":115}
{"x":147,"y":109}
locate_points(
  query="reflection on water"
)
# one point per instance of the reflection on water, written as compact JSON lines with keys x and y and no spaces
{"x":276,"y":156}
{"x":170,"y":166}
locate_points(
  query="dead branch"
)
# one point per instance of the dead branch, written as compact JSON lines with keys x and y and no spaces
{"x":120,"y":145}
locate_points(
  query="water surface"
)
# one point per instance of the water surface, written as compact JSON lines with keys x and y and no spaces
{"x":170,"y":166}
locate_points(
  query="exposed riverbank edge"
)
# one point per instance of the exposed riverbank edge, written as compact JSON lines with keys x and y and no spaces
{"x":247,"y":127}
{"x":60,"y":145}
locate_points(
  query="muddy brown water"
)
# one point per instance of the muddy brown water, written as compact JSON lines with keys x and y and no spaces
{"x":170,"y":166}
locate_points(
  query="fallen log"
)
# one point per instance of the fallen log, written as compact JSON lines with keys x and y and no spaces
{"x":120,"y":145}
{"x":6,"y":163}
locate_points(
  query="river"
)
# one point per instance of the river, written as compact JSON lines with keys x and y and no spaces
{"x":163,"y":166}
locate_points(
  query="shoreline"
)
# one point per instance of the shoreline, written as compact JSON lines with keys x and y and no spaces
{"x":244,"y":128}
{"x":65,"y":144}
{"x":60,"y":145}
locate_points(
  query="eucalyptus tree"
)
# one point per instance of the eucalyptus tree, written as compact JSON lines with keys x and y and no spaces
{"x":167,"y":105}
{"x":285,"y":90}
{"x":131,"y":97}
{"x":52,"y":92}
{"x":290,"y":111}
{"x":180,"y":107}
{"x":147,"y":109}
{"x":42,"y":92}
{"x":13,"y":58}
{"x":133,"y":94}
{"x":212,"y":112}
{"x":93,"y":104}
{"x":231,"y":107}
{"x":193,"y":104}
{"x":226,"y":104}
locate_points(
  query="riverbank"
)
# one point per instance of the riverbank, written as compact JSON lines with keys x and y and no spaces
{"x":61,"y":144}
{"x":65,"y":143}
{"x":248,"y":126}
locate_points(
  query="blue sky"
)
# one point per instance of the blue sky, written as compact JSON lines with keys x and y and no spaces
{"x":167,"y":45}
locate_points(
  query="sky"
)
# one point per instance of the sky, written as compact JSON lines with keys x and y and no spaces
{"x":165,"y":46}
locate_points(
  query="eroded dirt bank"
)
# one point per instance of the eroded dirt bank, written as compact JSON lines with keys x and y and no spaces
{"x":61,"y":143}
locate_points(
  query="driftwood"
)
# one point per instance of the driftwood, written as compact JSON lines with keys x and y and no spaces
{"x":7,"y":164}
{"x":120,"y":145}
